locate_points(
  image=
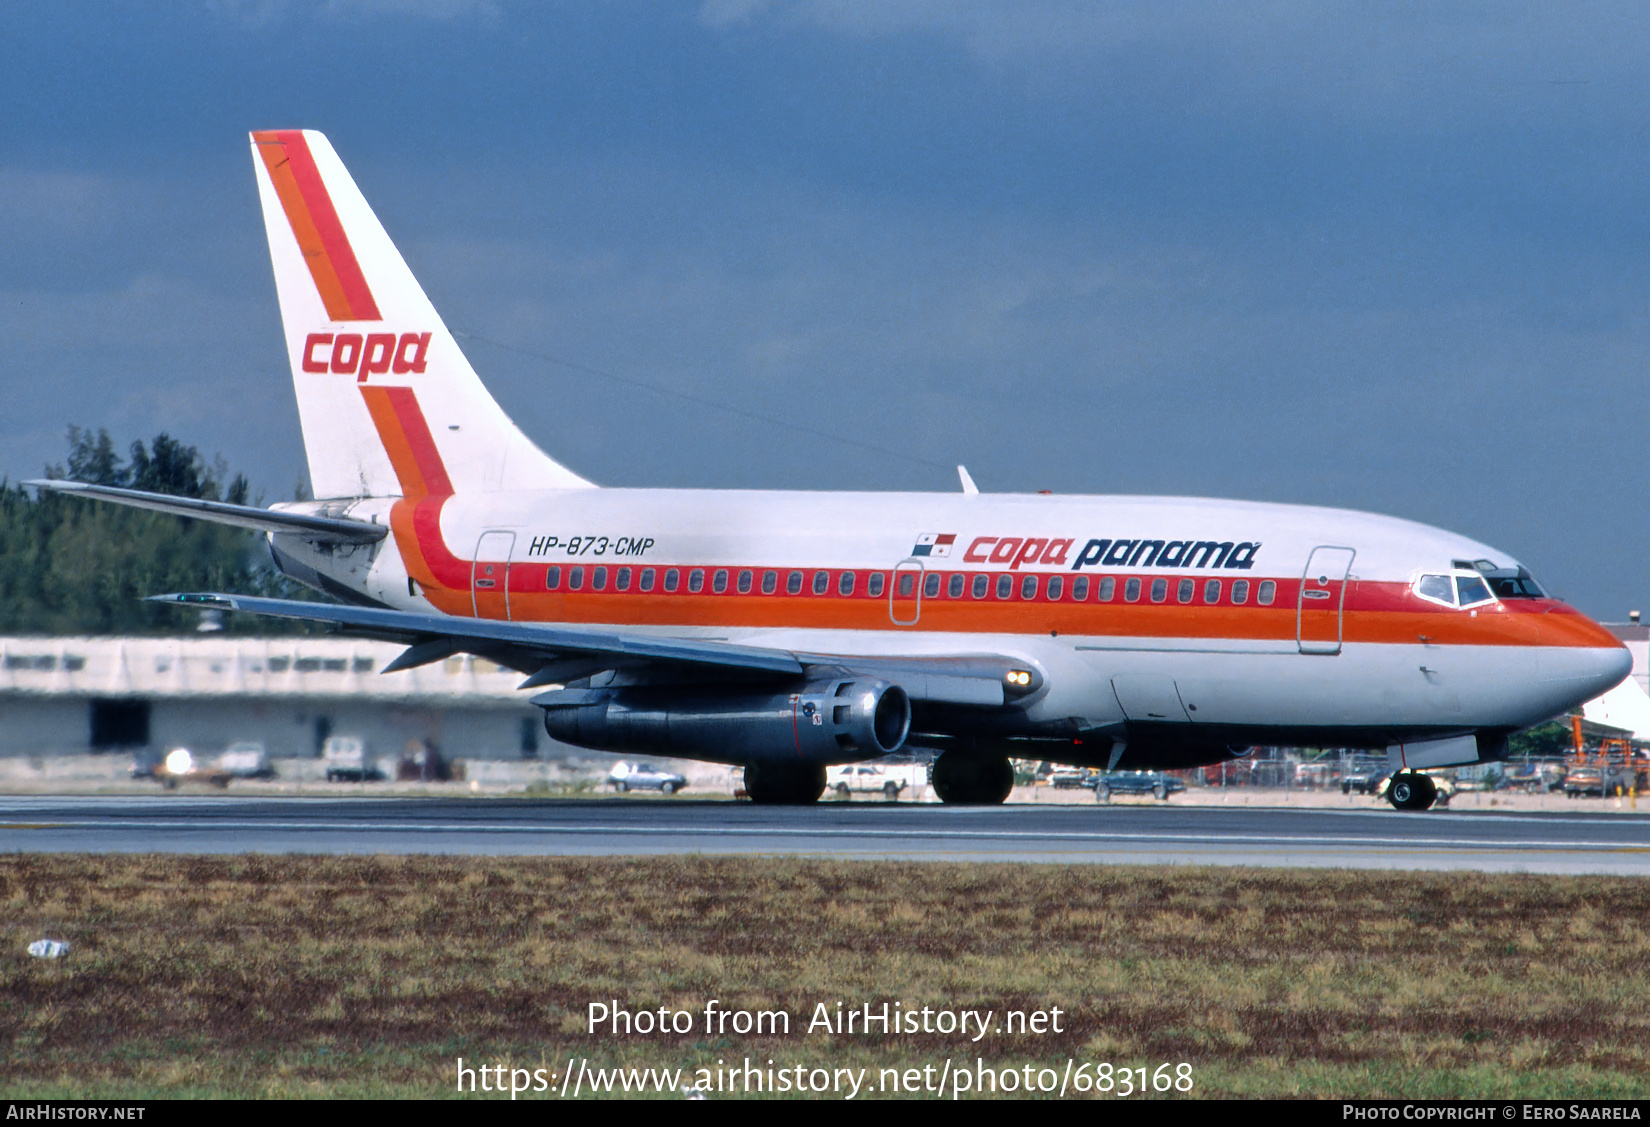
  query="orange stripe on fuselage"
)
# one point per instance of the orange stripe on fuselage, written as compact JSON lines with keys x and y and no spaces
{"x":315,"y":224}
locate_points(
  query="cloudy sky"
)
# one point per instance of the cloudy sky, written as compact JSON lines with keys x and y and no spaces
{"x":1392,"y":257}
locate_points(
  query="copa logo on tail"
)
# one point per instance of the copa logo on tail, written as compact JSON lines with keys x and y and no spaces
{"x":369,"y":354}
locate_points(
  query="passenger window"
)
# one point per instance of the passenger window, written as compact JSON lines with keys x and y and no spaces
{"x":1160,"y":590}
{"x":793,"y":583}
{"x":1438,"y":588}
{"x":907,"y":584}
{"x":1005,"y":585}
{"x":1028,"y":587}
{"x":744,"y":582}
{"x":552,"y":579}
{"x":1080,"y":588}
{"x":822,"y":582}
{"x":954,"y":587}
{"x":981,"y":584}
{"x":1056,"y":586}
{"x":598,"y":579}
{"x":696,"y":580}
{"x":673,"y":579}
{"x":873,"y":584}
{"x":770,"y":582}
{"x":1268,"y":591}
{"x":575,"y":578}
{"x":719,"y":581}
{"x":931,"y":586}
{"x":1131,"y":591}
{"x":845,"y":584}
{"x":1472,"y":591}
{"x":1240,"y":591}
{"x":621,"y":581}
{"x":1211,"y":591}
{"x":647,"y":579}
{"x":1188,"y":587}
{"x":1108,"y":588}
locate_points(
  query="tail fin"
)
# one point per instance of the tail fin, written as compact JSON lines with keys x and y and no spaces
{"x":358,"y":324}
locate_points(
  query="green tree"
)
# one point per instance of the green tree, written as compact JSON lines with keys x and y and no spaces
{"x":69,"y":565}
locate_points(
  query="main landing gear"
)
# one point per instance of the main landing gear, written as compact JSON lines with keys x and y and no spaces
{"x":1411,"y":790}
{"x":972,"y":780}
{"x":784,"y":784}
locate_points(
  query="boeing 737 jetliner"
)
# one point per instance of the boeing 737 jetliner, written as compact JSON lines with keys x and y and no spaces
{"x":788,"y":631}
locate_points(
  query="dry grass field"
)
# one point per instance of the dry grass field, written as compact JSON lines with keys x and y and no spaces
{"x":299,"y":976}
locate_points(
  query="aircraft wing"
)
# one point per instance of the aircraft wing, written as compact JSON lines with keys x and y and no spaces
{"x":551,"y":653}
{"x":335,"y":529}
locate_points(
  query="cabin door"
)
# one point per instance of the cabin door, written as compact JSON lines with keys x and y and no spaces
{"x":1322,"y":603}
{"x":490,"y":575}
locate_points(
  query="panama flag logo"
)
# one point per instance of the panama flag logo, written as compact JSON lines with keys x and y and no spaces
{"x":934,"y":544}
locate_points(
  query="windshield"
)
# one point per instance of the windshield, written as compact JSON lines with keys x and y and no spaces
{"x":1514,"y":583}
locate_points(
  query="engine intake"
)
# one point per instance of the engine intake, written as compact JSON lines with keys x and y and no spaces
{"x":833,"y":721}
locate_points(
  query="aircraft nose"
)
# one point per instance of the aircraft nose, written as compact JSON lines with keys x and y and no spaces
{"x":1587,"y":670}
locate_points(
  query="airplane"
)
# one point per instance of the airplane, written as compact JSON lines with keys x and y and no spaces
{"x":786,"y":632}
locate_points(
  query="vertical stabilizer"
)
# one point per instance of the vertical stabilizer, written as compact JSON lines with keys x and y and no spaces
{"x":357,"y":325}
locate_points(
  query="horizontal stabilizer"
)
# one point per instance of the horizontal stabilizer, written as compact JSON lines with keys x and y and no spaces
{"x":336,"y":529}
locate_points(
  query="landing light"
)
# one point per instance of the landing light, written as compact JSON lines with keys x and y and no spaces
{"x":179,"y":762}
{"x":1020,"y":678}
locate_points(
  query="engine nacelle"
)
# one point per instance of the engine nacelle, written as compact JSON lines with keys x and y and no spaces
{"x":840,"y":720}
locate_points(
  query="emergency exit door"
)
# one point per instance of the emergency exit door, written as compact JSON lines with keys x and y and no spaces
{"x":1321,"y":611}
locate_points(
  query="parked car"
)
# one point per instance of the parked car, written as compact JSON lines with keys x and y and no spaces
{"x":1364,"y":779}
{"x":626,"y":777}
{"x":1154,"y":783}
{"x":1066,"y":777}
{"x":1534,"y":778}
{"x":245,"y":760}
{"x":1600,"y":782}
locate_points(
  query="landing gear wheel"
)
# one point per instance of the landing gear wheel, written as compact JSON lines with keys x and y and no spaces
{"x":776,"y":784}
{"x":1411,"y":790}
{"x":972,"y":780}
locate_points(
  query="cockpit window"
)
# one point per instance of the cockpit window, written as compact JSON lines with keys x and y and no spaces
{"x":1472,"y":591}
{"x":1437,"y":588}
{"x":1514,"y":583}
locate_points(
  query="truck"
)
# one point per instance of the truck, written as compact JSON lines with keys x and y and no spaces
{"x":887,"y":779}
{"x":345,"y":759}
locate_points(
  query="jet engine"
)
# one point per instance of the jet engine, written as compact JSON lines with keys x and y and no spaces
{"x":828,"y":721}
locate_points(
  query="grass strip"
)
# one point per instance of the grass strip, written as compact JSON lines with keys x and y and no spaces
{"x":340,"y":976}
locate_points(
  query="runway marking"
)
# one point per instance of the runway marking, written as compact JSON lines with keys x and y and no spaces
{"x":1180,"y":838}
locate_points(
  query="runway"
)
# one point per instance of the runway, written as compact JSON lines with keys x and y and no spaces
{"x":1548,"y":843}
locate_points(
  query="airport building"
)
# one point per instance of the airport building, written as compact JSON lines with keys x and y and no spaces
{"x":205,"y":692}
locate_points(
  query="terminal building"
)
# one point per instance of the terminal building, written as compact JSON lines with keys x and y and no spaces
{"x":66,"y":695}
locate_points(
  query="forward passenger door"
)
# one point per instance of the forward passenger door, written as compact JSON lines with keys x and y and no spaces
{"x":1321,"y":606}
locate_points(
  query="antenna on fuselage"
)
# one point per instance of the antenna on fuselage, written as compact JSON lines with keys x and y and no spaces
{"x":967,"y":482}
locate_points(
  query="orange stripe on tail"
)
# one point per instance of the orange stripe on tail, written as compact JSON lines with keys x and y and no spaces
{"x":316,"y":226}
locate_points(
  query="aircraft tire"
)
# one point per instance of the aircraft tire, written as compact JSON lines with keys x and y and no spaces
{"x":773,"y":784}
{"x":973,"y":780}
{"x":1411,"y":790}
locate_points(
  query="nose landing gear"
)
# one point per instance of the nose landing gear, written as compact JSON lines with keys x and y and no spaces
{"x":1411,"y":790}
